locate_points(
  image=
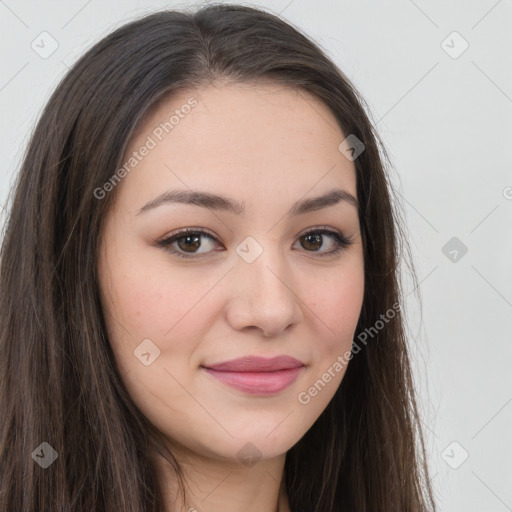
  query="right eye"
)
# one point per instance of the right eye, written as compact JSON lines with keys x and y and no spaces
{"x":186,"y":239}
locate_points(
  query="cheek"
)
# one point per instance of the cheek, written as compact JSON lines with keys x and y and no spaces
{"x":147,"y":296}
{"x":148,"y":301}
{"x":339,"y":305}
{"x":336,"y":304}
{"x":336,"y":301}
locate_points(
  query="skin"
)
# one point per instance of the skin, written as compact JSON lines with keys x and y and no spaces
{"x":267,"y":146}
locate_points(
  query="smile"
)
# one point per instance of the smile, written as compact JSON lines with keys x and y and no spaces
{"x":257,"y":375}
{"x":261,"y":383}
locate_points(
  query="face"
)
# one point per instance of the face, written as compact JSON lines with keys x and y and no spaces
{"x":256,"y":274}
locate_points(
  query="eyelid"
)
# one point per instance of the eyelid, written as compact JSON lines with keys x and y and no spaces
{"x":184,"y":231}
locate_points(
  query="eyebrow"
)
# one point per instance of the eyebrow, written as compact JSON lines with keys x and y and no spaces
{"x":217,"y":202}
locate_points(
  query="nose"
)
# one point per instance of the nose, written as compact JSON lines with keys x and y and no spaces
{"x":264,"y":297}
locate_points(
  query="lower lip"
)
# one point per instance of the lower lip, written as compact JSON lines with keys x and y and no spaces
{"x":258,"y":383}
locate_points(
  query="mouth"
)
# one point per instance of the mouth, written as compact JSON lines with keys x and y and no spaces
{"x":257,"y":375}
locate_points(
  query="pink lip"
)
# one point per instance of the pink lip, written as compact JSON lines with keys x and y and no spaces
{"x":257,"y":375}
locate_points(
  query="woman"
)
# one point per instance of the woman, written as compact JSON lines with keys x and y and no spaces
{"x":200,"y":293}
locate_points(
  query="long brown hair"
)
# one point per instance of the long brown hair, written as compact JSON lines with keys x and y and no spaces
{"x":58,"y":380}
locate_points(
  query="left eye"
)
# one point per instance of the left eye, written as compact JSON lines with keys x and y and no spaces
{"x":186,"y":243}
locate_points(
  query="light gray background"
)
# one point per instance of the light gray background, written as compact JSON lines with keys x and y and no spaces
{"x":447,"y":123}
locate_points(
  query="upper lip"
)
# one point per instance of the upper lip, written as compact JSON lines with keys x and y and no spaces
{"x":257,"y":364}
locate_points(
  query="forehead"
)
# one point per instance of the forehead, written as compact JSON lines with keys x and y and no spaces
{"x":244,"y":140}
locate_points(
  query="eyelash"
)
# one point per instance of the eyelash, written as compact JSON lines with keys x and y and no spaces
{"x":341,"y":241}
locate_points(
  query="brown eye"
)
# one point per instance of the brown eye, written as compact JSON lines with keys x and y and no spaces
{"x":187,"y":243}
{"x":314,"y":240}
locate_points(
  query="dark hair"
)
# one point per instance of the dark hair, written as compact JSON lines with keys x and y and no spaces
{"x":58,"y":381}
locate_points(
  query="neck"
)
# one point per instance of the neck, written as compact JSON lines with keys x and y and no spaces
{"x":213,"y":485}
